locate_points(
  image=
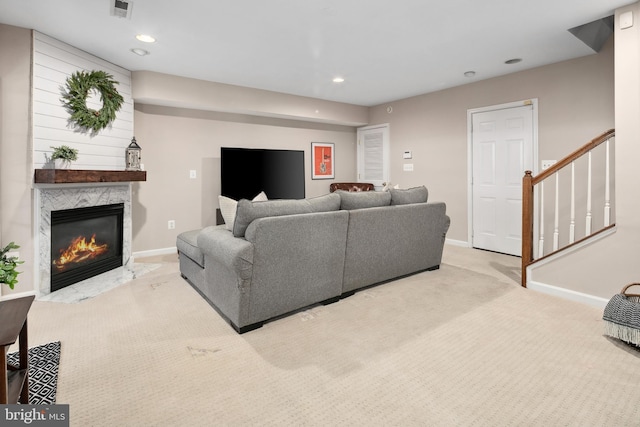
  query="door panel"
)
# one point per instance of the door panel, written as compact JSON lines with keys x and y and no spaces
{"x":487,"y":163}
{"x":373,"y":154}
{"x":502,"y":149}
{"x":487,"y":216}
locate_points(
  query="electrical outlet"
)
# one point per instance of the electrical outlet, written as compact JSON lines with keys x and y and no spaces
{"x":192,"y":174}
{"x":546,"y":164}
{"x":171,"y":224}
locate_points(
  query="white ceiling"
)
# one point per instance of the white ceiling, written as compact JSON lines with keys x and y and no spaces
{"x":385,"y":50}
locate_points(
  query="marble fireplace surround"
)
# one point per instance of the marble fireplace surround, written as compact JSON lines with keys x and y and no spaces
{"x":50,"y":197}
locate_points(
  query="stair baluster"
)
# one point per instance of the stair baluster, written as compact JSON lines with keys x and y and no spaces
{"x":533,"y":202}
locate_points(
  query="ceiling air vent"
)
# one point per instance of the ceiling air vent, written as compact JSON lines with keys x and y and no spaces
{"x":121,"y":8}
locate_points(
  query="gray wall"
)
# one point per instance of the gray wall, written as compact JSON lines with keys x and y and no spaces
{"x":16,"y":171}
{"x":604,"y":268}
{"x":177,"y":140}
{"x":576,"y":104}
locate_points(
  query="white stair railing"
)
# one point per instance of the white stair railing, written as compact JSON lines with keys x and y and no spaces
{"x":607,"y":187}
{"x":572,"y":223}
{"x":587,"y":230}
{"x":589,"y":182}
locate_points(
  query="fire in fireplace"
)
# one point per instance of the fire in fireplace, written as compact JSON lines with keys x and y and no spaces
{"x":79,"y":251}
{"x":85,"y":242}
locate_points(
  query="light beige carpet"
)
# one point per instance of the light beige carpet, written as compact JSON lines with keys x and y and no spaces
{"x":463,"y":345}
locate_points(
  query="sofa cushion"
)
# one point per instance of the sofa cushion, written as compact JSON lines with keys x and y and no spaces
{"x":248,"y":211}
{"x":187,"y":244}
{"x":228,"y":208}
{"x":327,"y":203}
{"x":410,"y":195}
{"x":363,"y":199}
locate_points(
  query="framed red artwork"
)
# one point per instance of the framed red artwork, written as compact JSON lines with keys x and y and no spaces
{"x":322,"y":160}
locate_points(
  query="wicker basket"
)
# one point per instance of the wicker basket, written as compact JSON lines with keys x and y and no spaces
{"x":622,"y":316}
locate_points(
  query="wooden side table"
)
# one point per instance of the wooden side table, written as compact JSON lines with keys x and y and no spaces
{"x":14,"y":380}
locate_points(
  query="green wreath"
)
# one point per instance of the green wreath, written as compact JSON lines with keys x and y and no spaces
{"x":75,"y":99}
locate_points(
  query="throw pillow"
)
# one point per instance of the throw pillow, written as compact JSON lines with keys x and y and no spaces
{"x":410,"y":195}
{"x":228,"y":208}
{"x":363,"y":199}
{"x":387,"y":186}
{"x":261,"y":197}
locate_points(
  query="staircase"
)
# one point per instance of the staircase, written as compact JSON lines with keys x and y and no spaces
{"x":569,"y":202}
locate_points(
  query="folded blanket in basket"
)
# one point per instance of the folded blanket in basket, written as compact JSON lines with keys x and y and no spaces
{"x":622,"y":317}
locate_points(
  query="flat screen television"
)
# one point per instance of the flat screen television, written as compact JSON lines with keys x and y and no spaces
{"x":245,"y":172}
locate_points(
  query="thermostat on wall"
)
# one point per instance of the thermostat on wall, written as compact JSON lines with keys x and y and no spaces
{"x":406,"y":155}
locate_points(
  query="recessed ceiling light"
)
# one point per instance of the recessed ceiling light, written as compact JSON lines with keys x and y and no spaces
{"x":140,"y":52}
{"x":513,"y":61}
{"x":338,"y":79}
{"x":469,"y":73}
{"x":145,"y":38}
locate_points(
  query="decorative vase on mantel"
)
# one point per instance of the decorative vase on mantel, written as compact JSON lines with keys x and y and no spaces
{"x":61,"y":164}
{"x":62,"y":156}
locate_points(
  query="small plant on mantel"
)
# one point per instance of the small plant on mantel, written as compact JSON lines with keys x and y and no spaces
{"x":65,"y":154}
{"x":8,"y":265}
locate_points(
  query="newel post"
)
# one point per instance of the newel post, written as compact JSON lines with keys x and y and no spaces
{"x":527,"y":224}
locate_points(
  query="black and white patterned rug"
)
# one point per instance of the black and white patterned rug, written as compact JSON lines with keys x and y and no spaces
{"x":43,"y":372}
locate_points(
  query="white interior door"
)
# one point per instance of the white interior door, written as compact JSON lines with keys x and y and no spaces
{"x":502,"y":149}
{"x":373,"y":154}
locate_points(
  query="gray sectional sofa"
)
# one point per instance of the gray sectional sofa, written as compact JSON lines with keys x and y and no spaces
{"x":279,"y":256}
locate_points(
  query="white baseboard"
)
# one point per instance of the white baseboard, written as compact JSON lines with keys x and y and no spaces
{"x":155,"y":252}
{"x":583,"y":298}
{"x":15,"y":295}
{"x":597,"y":302}
{"x":457,"y":243}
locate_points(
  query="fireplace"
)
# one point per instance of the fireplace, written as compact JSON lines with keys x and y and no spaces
{"x":85,"y":242}
{"x":49,"y":198}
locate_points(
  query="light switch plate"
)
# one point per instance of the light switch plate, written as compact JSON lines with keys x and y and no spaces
{"x":407,"y":167}
{"x":546,"y":164}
